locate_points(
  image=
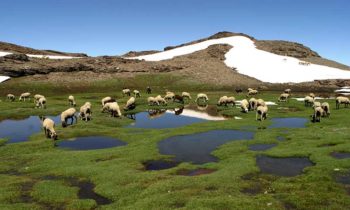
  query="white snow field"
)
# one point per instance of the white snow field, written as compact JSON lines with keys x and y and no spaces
{"x":41,"y":56}
{"x":262,"y":65}
{"x":197,"y":114}
{"x":4,"y":78}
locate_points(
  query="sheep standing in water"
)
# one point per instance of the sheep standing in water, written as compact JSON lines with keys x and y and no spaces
{"x":113,"y":108}
{"x":252,"y":104}
{"x":186,"y":95}
{"x":152,"y":101}
{"x":283,"y":97}
{"x":85,"y":112}
{"x":11,"y":97}
{"x":261,"y":111}
{"x":68,"y":114}
{"x":326,"y":109}
{"x":203,"y":97}
{"x":318,"y":113}
{"x":130,"y":104}
{"x":244,"y":105}
{"x":49,"y":128}
{"x":126,"y":92}
{"x":137,"y":94}
{"x":342,"y":100}
{"x":24,"y":96}
{"x":308,"y":101}
{"x":107,"y":100}
{"x":71,"y":101}
{"x":41,"y":103}
{"x":148,"y":90}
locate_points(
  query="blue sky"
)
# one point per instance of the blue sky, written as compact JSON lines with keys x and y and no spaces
{"x":106,"y":27}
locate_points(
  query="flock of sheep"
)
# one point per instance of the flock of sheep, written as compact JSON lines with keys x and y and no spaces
{"x":111,"y":106}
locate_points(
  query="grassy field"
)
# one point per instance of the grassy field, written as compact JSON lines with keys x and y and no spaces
{"x":118,"y":173}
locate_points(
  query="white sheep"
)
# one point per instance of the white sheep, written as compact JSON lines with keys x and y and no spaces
{"x":24,"y":96}
{"x":318,"y":112}
{"x":260,"y":102}
{"x":11,"y":97}
{"x":288,"y":91}
{"x":71,"y":101}
{"x":126,"y":92}
{"x":186,"y":95}
{"x":161,"y":100}
{"x":113,"y":108}
{"x":326,"y":109}
{"x":41,"y":103}
{"x":261,"y":111}
{"x":342,"y":100}
{"x":49,"y":128}
{"x":244,"y":105}
{"x":316,"y":104}
{"x":284,"y":97}
{"x":231,"y":100}
{"x":312,"y":95}
{"x":308,"y":101}
{"x":68,"y":114}
{"x":130,"y":104}
{"x":252,"y":104}
{"x":137,"y":94}
{"x":37,"y":97}
{"x":152,"y":101}
{"x":107,"y":99}
{"x":85,"y":112}
{"x":202,"y":97}
{"x":252,"y":92}
{"x":169,"y":96}
{"x":222,"y":101}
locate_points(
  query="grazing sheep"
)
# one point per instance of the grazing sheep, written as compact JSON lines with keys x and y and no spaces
{"x":107,"y":100}
{"x":37,"y":97}
{"x":169,"y":96}
{"x":148,"y":90}
{"x":113,"y":108}
{"x":316,"y":104}
{"x":137,"y":94}
{"x":261,"y":111}
{"x":312,"y":95}
{"x":41,"y":103}
{"x":238,"y":90}
{"x":186,"y":95}
{"x":179,"y":99}
{"x":152,"y":101}
{"x":11,"y":97}
{"x":342,"y":100}
{"x":161,"y":100}
{"x":71,"y":101}
{"x":126,"y":92}
{"x":308,"y":101}
{"x":68,"y":114}
{"x":130,"y":104}
{"x":260,"y":102}
{"x":49,"y":128}
{"x":85,"y":111}
{"x":244,"y":105}
{"x":222,"y":101}
{"x":283,"y":97}
{"x":231,"y":100}
{"x":24,"y":96}
{"x":288,"y":91}
{"x":326,"y":109}
{"x":252,"y":92}
{"x":252,"y":104}
{"x":318,"y":112}
{"x":202,"y":97}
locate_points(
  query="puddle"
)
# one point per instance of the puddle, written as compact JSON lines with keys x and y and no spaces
{"x":261,"y":147}
{"x":289,"y":122}
{"x":195,"y":172}
{"x":175,"y":118}
{"x":20,"y":130}
{"x":345,"y":180}
{"x":291,"y":166}
{"x":155,"y":165}
{"x":86,"y":189}
{"x":281,"y":138}
{"x":340,"y":155}
{"x":90,"y":143}
{"x":197,"y":148}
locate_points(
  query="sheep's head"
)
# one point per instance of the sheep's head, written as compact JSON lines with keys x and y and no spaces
{"x":54,"y":136}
